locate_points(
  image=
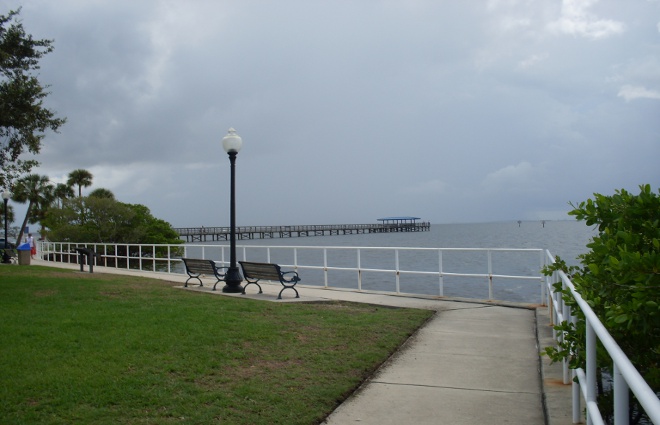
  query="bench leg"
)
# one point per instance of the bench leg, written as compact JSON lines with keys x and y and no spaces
{"x":251,"y":283}
{"x":193,"y":277}
{"x":279,"y":297}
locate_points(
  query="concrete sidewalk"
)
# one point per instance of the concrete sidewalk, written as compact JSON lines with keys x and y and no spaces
{"x":472,"y":363}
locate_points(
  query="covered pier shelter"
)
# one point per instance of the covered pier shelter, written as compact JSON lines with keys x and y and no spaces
{"x":403,"y":224}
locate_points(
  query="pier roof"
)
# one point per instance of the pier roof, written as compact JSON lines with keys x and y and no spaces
{"x":398,"y":218}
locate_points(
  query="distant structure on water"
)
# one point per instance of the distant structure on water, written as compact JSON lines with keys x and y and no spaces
{"x":385,"y":225}
{"x":542,"y":223}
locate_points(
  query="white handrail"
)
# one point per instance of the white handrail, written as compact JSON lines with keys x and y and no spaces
{"x":625,"y":374}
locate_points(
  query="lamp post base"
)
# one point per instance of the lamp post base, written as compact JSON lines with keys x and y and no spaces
{"x":6,"y":259}
{"x":233,"y":280}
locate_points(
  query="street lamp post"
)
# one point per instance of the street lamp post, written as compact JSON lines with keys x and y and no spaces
{"x":5,"y":197}
{"x":232,"y":143}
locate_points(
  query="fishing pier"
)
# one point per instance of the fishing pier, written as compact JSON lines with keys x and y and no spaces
{"x":385,"y":225}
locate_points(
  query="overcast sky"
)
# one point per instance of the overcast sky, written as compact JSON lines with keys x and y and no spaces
{"x":452,"y":111}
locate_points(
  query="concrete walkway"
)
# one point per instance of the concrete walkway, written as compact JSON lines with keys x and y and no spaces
{"x":472,"y":363}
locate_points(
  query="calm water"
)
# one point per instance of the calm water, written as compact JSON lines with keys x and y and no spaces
{"x":566,"y":239}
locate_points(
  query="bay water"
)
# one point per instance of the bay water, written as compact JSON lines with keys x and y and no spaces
{"x":566,"y":239}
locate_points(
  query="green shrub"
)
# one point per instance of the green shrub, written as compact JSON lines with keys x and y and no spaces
{"x":619,"y":278}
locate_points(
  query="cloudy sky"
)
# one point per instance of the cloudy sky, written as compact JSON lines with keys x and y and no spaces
{"x":352,"y":110}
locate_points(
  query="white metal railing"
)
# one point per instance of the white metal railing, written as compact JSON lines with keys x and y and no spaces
{"x":625,"y":375}
{"x":357,"y":260}
{"x":153,"y":257}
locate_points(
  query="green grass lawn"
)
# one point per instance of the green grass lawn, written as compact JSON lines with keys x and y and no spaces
{"x":80,"y":348}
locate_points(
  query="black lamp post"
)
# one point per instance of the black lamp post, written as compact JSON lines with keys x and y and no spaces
{"x":5,"y":197}
{"x":232,"y":143}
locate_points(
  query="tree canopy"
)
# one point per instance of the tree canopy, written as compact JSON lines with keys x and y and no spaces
{"x":95,"y":219}
{"x":23,"y":118}
{"x":102,"y":193}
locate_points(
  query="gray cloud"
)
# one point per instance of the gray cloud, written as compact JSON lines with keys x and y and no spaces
{"x":350,"y":111}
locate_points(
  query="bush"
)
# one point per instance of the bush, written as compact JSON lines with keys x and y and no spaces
{"x":619,"y":278}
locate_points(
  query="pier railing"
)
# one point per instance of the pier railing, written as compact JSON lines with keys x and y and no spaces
{"x":625,"y":375}
{"x":203,"y":234}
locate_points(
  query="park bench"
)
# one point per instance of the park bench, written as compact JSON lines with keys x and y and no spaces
{"x":197,"y":267}
{"x":254,"y":272}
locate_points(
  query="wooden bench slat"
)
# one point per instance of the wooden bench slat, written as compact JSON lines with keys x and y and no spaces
{"x":197,"y":267}
{"x":254,"y":272}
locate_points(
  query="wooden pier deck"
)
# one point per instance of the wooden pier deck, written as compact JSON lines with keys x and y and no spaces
{"x":205,"y":234}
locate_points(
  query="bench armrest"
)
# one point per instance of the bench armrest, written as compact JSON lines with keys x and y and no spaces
{"x":293,"y":278}
{"x":220,"y":269}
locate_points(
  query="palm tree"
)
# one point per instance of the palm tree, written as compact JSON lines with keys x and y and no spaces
{"x":38,"y":191}
{"x":62,"y":192}
{"x":102,"y":193}
{"x":80,"y":178}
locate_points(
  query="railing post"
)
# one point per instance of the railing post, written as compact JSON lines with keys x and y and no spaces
{"x":564,"y":361}
{"x":591,"y":369}
{"x":574,"y":320}
{"x":490,"y":274}
{"x":575,"y":389}
{"x":564,"y":314}
{"x":325,"y":266}
{"x":543,"y":288}
{"x":441,"y":278}
{"x":359,"y":270}
{"x":568,"y":318}
{"x":398,"y":283}
{"x":621,"y":398}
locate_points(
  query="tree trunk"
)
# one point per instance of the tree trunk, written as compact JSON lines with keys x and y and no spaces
{"x":25,"y":221}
